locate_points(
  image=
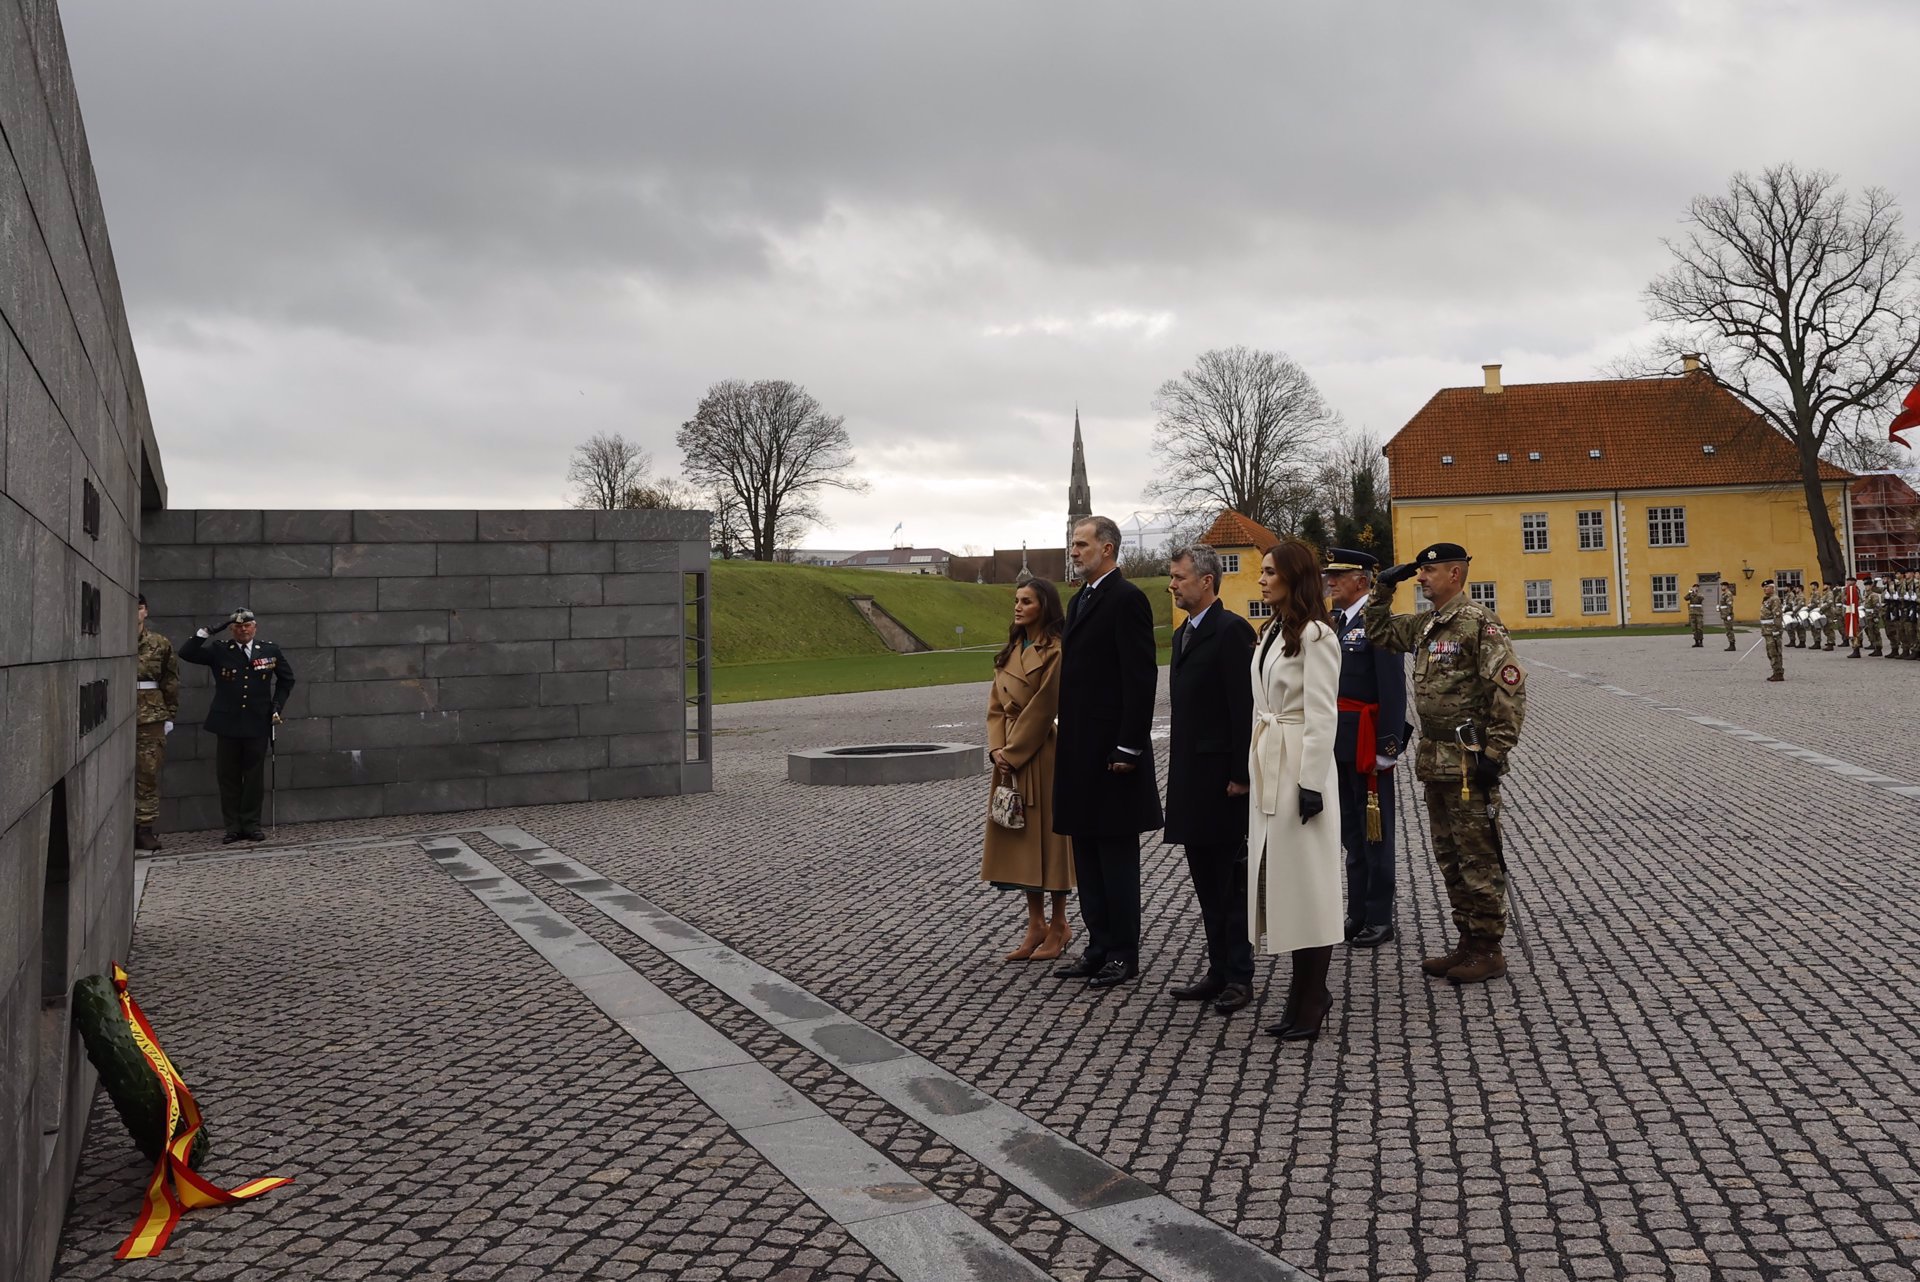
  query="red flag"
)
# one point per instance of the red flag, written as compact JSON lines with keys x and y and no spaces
{"x":1906,"y":418}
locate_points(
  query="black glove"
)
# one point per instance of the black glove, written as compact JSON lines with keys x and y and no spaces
{"x":1310,"y":804}
{"x":1486,"y":771}
{"x":1397,"y":574}
{"x":222,"y":626}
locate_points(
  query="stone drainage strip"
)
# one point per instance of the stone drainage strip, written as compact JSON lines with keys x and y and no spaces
{"x":906,"y":1226}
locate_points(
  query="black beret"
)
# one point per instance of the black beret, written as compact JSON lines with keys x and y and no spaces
{"x":143,"y":598}
{"x":1339,"y":559}
{"x":1441,"y":552}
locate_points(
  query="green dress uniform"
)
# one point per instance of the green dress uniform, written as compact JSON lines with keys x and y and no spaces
{"x":1467,"y":683}
{"x":158,"y":689}
{"x":251,"y":685}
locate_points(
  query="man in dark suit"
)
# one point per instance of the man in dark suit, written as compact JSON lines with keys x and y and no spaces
{"x":1104,"y":795}
{"x":252,"y":682}
{"x":1372,"y":734}
{"x":1207,"y":781}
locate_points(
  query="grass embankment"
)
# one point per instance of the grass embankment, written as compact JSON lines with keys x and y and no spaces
{"x":783,"y":631}
{"x":1632,"y":630}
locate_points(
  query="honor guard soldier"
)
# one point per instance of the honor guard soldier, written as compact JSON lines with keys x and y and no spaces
{"x":1830,"y":607}
{"x":1873,"y":613}
{"x":1471,"y":694}
{"x":158,"y":687}
{"x":1726,"y":613}
{"x":1367,"y":743}
{"x":1770,"y":621}
{"x":252,"y":682}
{"x":1696,"y":614}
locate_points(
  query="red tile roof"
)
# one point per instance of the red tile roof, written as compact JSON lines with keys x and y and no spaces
{"x":1231,"y":530}
{"x":1651,"y":433}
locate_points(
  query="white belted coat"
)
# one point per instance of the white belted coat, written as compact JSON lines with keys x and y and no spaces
{"x":1295,"y":713}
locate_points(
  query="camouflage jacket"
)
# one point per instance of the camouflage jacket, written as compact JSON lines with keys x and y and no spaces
{"x":1464,"y":669}
{"x":1725,"y":606}
{"x":157,"y":664}
{"x":1696,"y":605}
{"x":1770,"y":616}
{"x":1872,"y":607}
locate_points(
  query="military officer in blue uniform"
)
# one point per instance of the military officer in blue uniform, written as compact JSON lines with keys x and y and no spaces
{"x":252,"y":682}
{"x":1371,"y":735}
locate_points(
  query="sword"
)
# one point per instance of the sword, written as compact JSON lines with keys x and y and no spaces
{"x":273,"y":762}
{"x":1750,"y":649}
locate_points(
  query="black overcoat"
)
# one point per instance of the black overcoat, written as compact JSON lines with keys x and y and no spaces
{"x":1108,"y":671}
{"x":1212,"y":727}
{"x":246,"y":692}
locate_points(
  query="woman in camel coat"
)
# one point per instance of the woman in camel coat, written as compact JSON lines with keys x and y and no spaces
{"x":1293,"y":842}
{"x":1020,"y":739}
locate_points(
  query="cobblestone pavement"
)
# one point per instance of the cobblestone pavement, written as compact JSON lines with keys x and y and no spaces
{"x":1700,"y":1066}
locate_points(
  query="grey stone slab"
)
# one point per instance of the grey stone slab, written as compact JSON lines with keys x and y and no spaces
{"x":494,"y":725}
{"x":645,"y":558}
{"x":748,"y":1095}
{"x":178,"y":606}
{"x":40,"y":454}
{"x":396,"y":730}
{"x":273,"y":561}
{"x":449,"y":592}
{"x":644,"y":589}
{"x":684,"y":1042}
{"x":383,"y":627}
{"x":430,"y":526}
{"x":511,"y":590}
{"x":384,"y":560}
{"x":167,"y":526}
{"x":378,"y":662}
{"x":514,"y":691}
{"x":941,"y":1243}
{"x":492,"y":558}
{"x":231,"y":525}
{"x":649,"y":524}
{"x":55,"y":595}
{"x":312,"y":595}
{"x":536,"y":526}
{"x":527,"y":624}
{"x":540,"y":756}
{"x":636,"y":781}
{"x":597,"y":654}
{"x":551,"y":789}
{"x":844,"y":1041}
{"x":489,"y":658}
{"x":645,"y":749}
{"x":753,"y":986}
{"x":1177,"y":1245}
{"x":638,"y":916}
{"x":366,"y":698}
{"x":846,"y":1177}
{"x":668,"y":685}
{"x":626,"y":621}
{"x":450,"y":761}
{"x":575,"y":687}
{"x":16,"y":585}
{"x":306,"y":527}
{"x":314,"y":805}
{"x":623,"y":994}
{"x":428,"y":796}
{"x":695,"y":557}
{"x":657,"y":652}
{"x":342,"y":769}
{"x":185,"y":562}
{"x":581,"y":558}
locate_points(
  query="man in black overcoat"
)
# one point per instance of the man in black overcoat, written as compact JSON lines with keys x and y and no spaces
{"x":1212,"y":687}
{"x":1104,"y":795}
{"x":1373,"y":697}
{"x":252,"y":682}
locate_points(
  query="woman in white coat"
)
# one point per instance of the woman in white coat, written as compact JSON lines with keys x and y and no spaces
{"x":1293,"y":874}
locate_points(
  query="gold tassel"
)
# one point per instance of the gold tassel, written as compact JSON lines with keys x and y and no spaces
{"x":1373,"y":816}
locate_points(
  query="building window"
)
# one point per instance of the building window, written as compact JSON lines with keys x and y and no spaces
{"x":1666,"y":592}
{"x":1482,"y":594}
{"x":1259,"y":610}
{"x":1593,"y":531}
{"x":919,"y":560}
{"x":1539,"y":598}
{"x":878,"y":560}
{"x":1666,"y":527}
{"x":1229,"y":563}
{"x":1788,"y":580}
{"x":1420,"y":602}
{"x":1533,"y":531}
{"x":1593,"y":596}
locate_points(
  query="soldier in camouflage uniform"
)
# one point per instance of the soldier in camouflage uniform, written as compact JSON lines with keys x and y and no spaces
{"x":1873,"y":613}
{"x":158,"y":687}
{"x":1696,"y":614}
{"x":1794,"y":608}
{"x":1726,"y":613}
{"x":1471,"y":694}
{"x":1832,"y":622}
{"x":1770,"y":613}
{"x":1907,"y":644}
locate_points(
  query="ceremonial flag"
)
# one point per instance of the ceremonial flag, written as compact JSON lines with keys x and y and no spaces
{"x":1853,"y":608}
{"x":1908,"y":417}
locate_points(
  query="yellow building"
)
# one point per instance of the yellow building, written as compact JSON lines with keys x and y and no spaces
{"x":1598,"y":504}
{"x":1240,"y":542}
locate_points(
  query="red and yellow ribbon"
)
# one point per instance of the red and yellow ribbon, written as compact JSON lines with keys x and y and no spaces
{"x":175,"y":1188}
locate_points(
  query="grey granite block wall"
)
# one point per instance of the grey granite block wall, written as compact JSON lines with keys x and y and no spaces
{"x":77,"y":465}
{"x":444,"y":660}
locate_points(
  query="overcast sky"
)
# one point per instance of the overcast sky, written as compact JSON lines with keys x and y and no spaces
{"x":409,"y":254}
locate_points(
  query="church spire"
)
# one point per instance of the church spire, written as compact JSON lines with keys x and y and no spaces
{"x":1079,"y":495}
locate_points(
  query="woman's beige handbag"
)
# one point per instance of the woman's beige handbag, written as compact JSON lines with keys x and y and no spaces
{"x":1006,"y":807}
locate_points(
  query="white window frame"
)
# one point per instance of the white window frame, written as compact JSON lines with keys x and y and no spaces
{"x":1789,"y":580}
{"x":1259,"y":610}
{"x":1666,"y":527}
{"x":1490,"y":597}
{"x":1229,"y":563}
{"x":1539,"y":598}
{"x":1533,"y":532}
{"x":1666,"y":593}
{"x":1421,"y":602}
{"x":1593,"y":599}
{"x":1592,"y":524}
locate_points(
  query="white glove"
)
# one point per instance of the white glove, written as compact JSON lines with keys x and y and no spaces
{"x":167,"y":729}
{"x":201,"y":633}
{"x":1381,"y":764}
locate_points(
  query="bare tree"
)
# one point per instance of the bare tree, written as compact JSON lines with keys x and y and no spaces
{"x":771,"y":449}
{"x":604,"y":469}
{"x":668,"y":492}
{"x":1242,"y":429}
{"x":1806,"y":303}
{"x":1865,"y":447}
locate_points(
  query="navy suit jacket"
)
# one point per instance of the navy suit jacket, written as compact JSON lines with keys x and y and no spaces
{"x":1371,"y":675}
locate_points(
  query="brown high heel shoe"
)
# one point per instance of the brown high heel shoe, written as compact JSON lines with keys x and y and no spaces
{"x":1058,"y":933}
{"x":1036,"y":930}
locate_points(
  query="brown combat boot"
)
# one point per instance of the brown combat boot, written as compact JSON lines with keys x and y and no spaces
{"x":144,"y":838}
{"x":1439,"y":966}
{"x":1484,"y":961}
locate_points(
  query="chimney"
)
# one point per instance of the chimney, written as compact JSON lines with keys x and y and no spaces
{"x":1689,"y":362}
{"x":1493,"y":379}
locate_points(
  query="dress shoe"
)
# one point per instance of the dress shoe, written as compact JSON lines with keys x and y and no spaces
{"x":1085,"y":968}
{"x":1353,"y":928}
{"x":144,"y":838}
{"x":1115,"y":973}
{"x":1372,"y":936}
{"x":254,"y":834}
{"x":1232,"y":998}
{"x":230,"y":838}
{"x":1200,"y":990}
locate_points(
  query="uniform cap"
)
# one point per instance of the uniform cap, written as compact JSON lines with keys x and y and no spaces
{"x":143,"y":598}
{"x":242,"y":615}
{"x":1340,"y":559}
{"x":1766,"y":583}
{"x":1439,"y":552}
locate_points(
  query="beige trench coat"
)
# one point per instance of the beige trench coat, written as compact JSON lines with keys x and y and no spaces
{"x":1295,"y":713}
{"x":1020,"y":716}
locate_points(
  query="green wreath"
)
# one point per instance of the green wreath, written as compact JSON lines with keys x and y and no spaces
{"x":131,"y":1082}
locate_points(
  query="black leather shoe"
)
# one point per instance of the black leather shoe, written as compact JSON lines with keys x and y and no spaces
{"x":254,"y":834}
{"x":230,"y":838}
{"x":1232,"y":998}
{"x":1372,"y":937}
{"x":1200,"y":990}
{"x":1085,"y":968}
{"x":1115,"y":973}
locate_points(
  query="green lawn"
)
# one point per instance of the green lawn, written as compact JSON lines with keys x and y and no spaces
{"x":1635,"y":630}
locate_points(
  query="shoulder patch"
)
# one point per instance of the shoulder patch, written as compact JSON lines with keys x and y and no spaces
{"x":1494,"y":630}
{"x":1510,"y":675}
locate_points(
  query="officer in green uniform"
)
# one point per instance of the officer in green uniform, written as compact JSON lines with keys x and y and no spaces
{"x":1471,"y":694}
{"x":158,"y":687}
{"x":252,"y":682}
{"x":1770,"y":612}
{"x":1696,"y":613}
